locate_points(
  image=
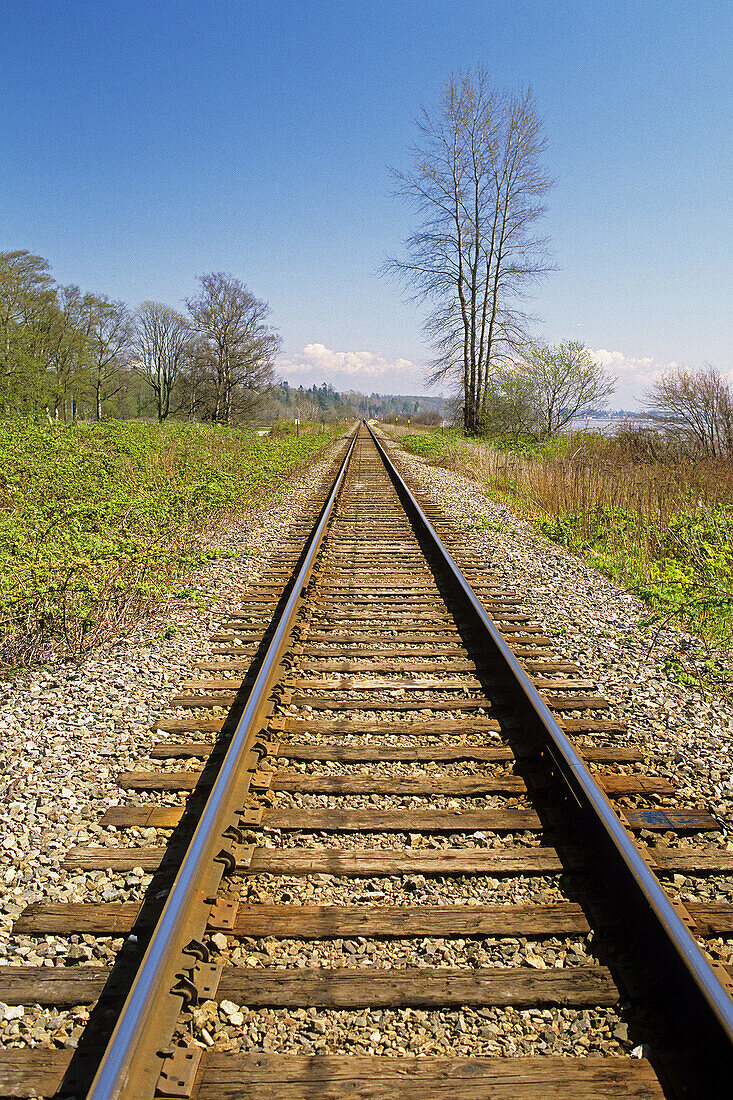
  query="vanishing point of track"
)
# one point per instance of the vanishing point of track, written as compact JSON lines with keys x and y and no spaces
{"x":373,"y":714}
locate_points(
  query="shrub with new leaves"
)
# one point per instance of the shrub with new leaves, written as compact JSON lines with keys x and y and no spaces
{"x":96,"y":521}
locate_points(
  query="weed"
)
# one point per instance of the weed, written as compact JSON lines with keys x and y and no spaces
{"x":486,"y":524}
{"x":437,"y":446}
{"x":700,"y":671}
{"x":683,"y":570}
{"x":660,"y":524}
{"x":97,"y":521}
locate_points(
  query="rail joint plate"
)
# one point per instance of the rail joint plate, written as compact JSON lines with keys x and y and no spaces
{"x":178,"y":1075}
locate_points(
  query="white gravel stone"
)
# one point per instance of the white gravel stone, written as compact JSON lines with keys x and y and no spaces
{"x":69,"y":728}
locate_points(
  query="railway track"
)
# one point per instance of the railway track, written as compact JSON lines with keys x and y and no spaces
{"x":394,"y":826}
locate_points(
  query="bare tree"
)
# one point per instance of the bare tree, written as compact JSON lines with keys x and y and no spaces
{"x":542,"y":393}
{"x":197,"y":381}
{"x":477,"y":183}
{"x":110,"y":329}
{"x":229,"y":320}
{"x":698,"y":406}
{"x":69,"y":348}
{"x":161,"y":345}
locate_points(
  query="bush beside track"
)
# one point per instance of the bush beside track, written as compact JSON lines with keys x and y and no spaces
{"x":95,"y":521}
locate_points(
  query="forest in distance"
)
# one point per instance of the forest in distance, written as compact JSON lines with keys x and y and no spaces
{"x":69,"y":355}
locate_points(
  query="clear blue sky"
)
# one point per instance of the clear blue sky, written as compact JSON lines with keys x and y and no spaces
{"x":142,"y":143}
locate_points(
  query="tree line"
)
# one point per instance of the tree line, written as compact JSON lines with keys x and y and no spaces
{"x":65,"y":353}
{"x":324,"y":402}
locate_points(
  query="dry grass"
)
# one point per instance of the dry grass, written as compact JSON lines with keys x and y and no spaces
{"x":582,"y":473}
{"x":658,"y":522}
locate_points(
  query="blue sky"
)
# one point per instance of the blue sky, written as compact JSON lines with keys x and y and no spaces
{"x":142,"y":143}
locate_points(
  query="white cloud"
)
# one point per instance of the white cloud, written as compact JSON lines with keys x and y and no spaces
{"x":617,"y":361}
{"x":317,"y":357}
{"x":634,"y":374}
{"x":353,"y":370}
{"x":368,"y":371}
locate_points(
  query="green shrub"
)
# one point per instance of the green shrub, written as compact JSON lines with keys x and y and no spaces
{"x":434,"y":445}
{"x":95,"y":520}
{"x":683,"y":569}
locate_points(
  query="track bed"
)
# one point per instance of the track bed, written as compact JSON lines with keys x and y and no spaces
{"x":401,"y":896}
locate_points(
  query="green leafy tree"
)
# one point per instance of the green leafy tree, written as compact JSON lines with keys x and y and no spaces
{"x":27,"y":311}
{"x":542,"y":393}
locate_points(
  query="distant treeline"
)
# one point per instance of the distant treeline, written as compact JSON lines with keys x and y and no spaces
{"x":68,"y":355}
{"x":284,"y":401}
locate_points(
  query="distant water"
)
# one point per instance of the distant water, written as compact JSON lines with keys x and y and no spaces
{"x":610,"y":425}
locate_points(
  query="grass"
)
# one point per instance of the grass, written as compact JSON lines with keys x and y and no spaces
{"x":660,"y":525}
{"x":438,"y":447}
{"x":97,"y":521}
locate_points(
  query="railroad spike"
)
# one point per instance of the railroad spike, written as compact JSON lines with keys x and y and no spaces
{"x":186,"y":989}
{"x":198,"y":949}
{"x":228,"y":858}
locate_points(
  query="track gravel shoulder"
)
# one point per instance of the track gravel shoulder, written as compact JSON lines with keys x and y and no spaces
{"x":67,"y":729}
{"x":686,"y":735}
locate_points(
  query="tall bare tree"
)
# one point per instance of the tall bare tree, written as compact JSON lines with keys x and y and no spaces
{"x":161,"y":345}
{"x":109,"y":327}
{"x":69,"y":348}
{"x":698,"y":406}
{"x":196,"y":387}
{"x":477,"y":183}
{"x":230,"y":322}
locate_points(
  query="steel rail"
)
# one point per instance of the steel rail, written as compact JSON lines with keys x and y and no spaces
{"x":130,"y":1041}
{"x":588,"y":793}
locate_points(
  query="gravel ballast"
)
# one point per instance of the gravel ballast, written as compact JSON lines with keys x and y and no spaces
{"x":685,"y":735}
{"x":69,"y":729}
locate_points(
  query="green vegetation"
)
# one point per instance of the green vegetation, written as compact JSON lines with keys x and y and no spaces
{"x":437,"y":445}
{"x":658,"y":522}
{"x":683,"y":570}
{"x":95,"y":521}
